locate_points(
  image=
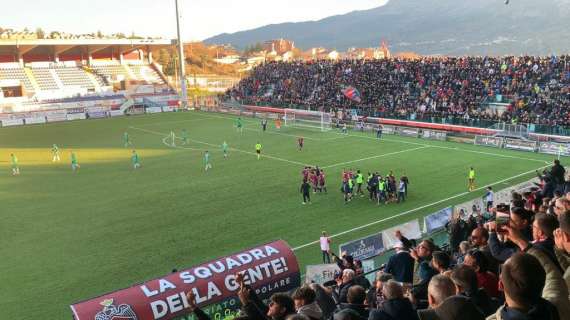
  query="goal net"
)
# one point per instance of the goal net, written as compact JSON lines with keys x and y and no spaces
{"x":308,"y":119}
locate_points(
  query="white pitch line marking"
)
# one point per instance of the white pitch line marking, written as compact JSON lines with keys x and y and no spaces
{"x":219,"y":146}
{"x":374,"y":157}
{"x":416,"y":209}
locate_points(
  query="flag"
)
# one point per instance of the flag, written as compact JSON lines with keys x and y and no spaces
{"x":352,"y":93}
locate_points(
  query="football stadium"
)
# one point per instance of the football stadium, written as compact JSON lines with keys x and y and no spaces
{"x":135,"y":184}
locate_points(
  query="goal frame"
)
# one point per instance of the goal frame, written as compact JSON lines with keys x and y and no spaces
{"x":308,"y":119}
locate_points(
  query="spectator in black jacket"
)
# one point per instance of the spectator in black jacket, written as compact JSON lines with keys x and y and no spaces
{"x":324,"y":300}
{"x":344,"y":282}
{"x":557,"y":172}
{"x":359,"y":278}
{"x":401,"y":264}
{"x":396,"y":306}
{"x":356,"y":297}
{"x":457,"y":229}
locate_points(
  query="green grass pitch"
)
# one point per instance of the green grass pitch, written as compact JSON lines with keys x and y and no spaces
{"x":71,"y":236}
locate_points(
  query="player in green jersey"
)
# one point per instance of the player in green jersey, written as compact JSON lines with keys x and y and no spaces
{"x":225,"y":149}
{"x":239,"y":125}
{"x":207,"y":164}
{"x":55,"y":153}
{"x":185,"y":137}
{"x":15,"y":167}
{"x":74,"y":164}
{"x":126,"y":140}
{"x":135,"y":160}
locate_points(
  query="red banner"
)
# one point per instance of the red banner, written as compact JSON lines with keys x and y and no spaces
{"x":267,"y":268}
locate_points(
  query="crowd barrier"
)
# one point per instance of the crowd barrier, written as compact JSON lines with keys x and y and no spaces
{"x":72,"y":115}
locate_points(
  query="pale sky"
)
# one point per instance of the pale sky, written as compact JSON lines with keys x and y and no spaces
{"x":201,"y":18}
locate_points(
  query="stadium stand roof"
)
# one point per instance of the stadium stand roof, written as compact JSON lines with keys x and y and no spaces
{"x":13,"y":50}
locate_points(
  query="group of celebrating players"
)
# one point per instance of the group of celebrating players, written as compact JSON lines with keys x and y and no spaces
{"x":380,"y":189}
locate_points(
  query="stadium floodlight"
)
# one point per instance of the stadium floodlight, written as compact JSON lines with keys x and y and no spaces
{"x":184,"y":92}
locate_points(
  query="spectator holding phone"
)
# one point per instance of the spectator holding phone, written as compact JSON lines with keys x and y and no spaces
{"x":520,"y":219}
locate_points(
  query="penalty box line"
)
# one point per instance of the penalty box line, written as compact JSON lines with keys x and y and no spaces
{"x":375,"y":157}
{"x":449,"y":148}
{"x":405,"y":213}
{"x":218,"y":146}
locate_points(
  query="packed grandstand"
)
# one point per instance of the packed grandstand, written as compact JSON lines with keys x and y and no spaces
{"x":522,"y":89}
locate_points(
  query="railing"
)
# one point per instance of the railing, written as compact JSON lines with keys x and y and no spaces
{"x":557,"y":130}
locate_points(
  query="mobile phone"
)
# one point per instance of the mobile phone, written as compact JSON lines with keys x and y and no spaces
{"x":502,"y":219}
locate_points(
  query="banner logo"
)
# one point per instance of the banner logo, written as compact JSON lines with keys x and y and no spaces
{"x":112,"y":312}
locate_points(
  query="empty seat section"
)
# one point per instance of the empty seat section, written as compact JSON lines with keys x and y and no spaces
{"x":45,"y":79}
{"x":16,"y":73}
{"x":74,"y":76}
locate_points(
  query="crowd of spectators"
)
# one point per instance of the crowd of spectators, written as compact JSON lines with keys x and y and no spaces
{"x":519,"y":270}
{"x":536,"y":88}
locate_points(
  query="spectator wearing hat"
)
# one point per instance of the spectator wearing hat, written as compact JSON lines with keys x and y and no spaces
{"x":401,"y":264}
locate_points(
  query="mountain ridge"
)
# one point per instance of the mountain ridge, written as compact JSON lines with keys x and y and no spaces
{"x":482,"y":27}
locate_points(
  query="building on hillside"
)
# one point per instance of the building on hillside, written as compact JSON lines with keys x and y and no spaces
{"x":212,"y":83}
{"x":229,"y":59}
{"x":279,"y":46}
{"x":322,"y":54}
{"x":381,"y":52}
{"x":256,"y":59}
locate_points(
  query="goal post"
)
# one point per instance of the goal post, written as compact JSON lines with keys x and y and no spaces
{"x":309,"y":119}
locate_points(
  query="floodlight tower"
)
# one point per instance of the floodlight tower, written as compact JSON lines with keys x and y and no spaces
{"x":184,"y":93}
